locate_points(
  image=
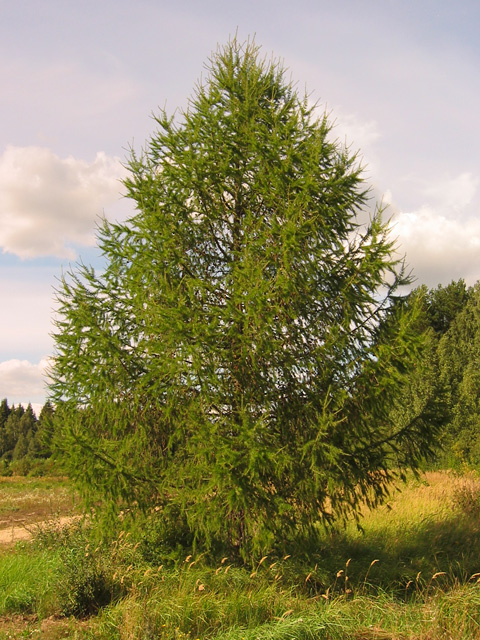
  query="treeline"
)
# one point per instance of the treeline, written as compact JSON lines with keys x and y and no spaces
{"x":25,"y":440}
{"x":450,"y":316}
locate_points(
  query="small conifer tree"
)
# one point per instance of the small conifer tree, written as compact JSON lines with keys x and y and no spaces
{"x":239,"y":358}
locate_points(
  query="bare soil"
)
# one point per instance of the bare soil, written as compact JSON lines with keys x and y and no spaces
{"x":28,"y":626}
{"x":25,"y":532}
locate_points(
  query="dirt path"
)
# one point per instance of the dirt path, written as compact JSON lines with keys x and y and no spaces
{"x":15,"y":533}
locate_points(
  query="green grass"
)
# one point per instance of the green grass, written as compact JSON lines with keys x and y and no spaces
{"x":411,"y":573}
{"x":28,"y":582}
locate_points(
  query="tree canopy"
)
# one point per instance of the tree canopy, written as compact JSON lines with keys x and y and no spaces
{"x":240,"y":362}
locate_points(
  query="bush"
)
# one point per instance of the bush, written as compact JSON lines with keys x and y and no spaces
{"x":87,"y":580}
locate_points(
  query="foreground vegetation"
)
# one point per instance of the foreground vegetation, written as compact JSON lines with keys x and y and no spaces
{"x":411,"y":573}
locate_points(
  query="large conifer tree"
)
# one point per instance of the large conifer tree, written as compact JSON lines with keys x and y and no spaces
{"x":239,"y":358}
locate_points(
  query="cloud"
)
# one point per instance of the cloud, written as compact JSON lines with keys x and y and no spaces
{"x":48,"y":203}
{"x":22,"y":381}
{"x":439,"y":248}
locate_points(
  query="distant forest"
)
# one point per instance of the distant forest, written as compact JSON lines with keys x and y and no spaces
{"x":25,"y":440}
{"x":450,"y":318}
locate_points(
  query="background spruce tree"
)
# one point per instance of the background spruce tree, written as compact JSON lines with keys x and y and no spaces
{"x":239,"y":359}
{"x":459,"y":358}
{"x":4,"y":412}
{"x":42,"y":443}
{"x":13,"y":429}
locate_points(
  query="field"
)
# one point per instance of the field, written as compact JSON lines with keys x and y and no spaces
{"x":411,"y":573}
{"x":25,"y":502}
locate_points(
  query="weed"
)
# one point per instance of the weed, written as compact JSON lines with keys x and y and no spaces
{"x":466,"y":496}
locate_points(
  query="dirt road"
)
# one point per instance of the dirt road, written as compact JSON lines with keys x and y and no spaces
{"x":15,"y":533}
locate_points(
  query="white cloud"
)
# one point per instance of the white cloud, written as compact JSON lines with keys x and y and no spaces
{"x":22,"y":381}
{"x":441,"y":237}
{"x":48,"y":203}
{"x":438,"y":247}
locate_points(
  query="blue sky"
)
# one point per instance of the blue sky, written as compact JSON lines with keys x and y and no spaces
{"x":81,"y":79}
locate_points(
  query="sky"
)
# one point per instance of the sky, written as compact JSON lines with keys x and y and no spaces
{"x":80,"y":82}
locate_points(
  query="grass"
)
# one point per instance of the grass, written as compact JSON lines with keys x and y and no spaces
{"x":430,"y":527}
{"x":411,"y":574}
{"x":28,"y":582}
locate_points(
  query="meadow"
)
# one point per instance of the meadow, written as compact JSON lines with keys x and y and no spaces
{"x":410,"y":572}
